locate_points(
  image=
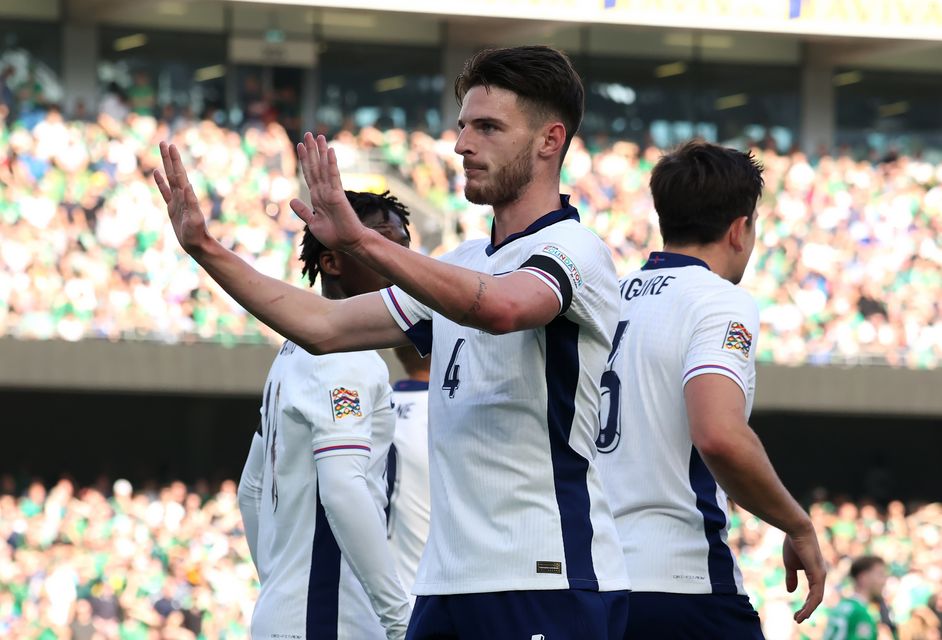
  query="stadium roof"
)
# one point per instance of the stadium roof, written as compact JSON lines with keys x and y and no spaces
{"x":883,"y":19}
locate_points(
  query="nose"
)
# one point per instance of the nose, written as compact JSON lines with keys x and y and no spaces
{"x":462,"y":144}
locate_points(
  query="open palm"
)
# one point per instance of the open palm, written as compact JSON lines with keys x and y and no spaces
{"x":330,"y":218}
{"x":189,"y":223}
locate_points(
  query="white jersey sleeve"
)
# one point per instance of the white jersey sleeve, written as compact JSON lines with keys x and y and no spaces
{"x":579,"y":273}
{"x":340,"y":416}
{"x":413,"y":317}
{"x":554,"y":266}
{"x":358,"y":527}
{"x":723,"y":339}
{"x":250,"y":493}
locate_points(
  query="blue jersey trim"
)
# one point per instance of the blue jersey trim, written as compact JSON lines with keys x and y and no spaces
{"x":719,"y":559}
{"x":565,"y":212}
{"x":323,"y":586}
{"x":420,"y":334}
{"x":411,"y":385}
{"x":392,"y":472}
{"x":668,"y":260}
{"x":570,"y":469}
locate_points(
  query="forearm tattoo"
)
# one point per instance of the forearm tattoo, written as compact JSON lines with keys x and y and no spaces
{"x":476,"y":305}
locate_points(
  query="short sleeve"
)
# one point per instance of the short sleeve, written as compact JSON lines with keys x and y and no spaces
{"x":413,"y":317}
{"x":340,"y":415}
{"x":723,"y":340}
{"x":578,"y":267}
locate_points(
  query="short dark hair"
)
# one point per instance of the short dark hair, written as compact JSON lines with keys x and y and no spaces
{"x":700,"y":188}
{"x":364,"y":203}
{"x":863,"y":564}
{"x":542,"y":77}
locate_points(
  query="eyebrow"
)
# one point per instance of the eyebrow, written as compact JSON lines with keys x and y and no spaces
{"x":484,"y":120}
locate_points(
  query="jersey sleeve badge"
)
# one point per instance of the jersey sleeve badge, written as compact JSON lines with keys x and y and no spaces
{"x":566,"y":261}
{"x":738,"y":338}
{"x":346,"y":403}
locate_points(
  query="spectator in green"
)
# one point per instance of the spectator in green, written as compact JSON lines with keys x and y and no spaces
{"x":141,"y":95}
{"x":857,"y":617}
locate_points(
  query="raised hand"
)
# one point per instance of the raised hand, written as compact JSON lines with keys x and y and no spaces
{"x":332,"y":220}
{"x":189,"y":224}
{"x":802,"y":553}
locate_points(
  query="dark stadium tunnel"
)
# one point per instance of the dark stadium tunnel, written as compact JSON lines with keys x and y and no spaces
{"x":167,"y":437}
{"x":870,"y":457}
{"x":135,"y":436}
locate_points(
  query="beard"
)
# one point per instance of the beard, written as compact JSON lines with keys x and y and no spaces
{"x":507,"y":183}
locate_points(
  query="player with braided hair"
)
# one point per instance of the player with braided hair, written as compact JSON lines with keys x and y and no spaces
{"x":376,"y":211}
{"x":312,"y":493}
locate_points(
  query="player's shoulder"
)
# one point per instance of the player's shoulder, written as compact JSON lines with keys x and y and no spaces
{"x":354,"y":366}
{"x":569,"y":233}
{"x":627,"y":278}
{"x":466,"y":251}
{"x":733,"y":297}
{"x":575,"y":246}
{"x":708,"y":291}
{"x":850,"y":606}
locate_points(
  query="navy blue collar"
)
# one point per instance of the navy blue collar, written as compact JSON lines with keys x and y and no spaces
{"x":565,"y":212}
{"x":411,"y":385}
{"x":667,"y":260}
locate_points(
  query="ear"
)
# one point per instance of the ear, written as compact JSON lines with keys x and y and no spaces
{"x":552,"y":140}
{"x":738,"y":231}
{"x":330,"y":263}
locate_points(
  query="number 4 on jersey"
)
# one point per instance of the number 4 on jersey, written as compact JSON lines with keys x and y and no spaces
{"x":451,"y":381}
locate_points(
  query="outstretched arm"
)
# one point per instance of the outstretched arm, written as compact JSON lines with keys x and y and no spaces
{"x":495,"y":304}
{"x":316,"y":323}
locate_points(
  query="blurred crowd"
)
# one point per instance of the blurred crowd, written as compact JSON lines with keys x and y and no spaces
{"x":906,"y":537}
{"x":107,"y":562}
{"x":846,"y":269}
{"x":171,"y":562}
{"x":86,"y":250}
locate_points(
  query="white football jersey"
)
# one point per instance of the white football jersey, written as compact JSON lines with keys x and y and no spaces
{"x":517,"y":503}
{"x":327,"y":405}
{"x":407,"y":479}
{"x":678,"y":321}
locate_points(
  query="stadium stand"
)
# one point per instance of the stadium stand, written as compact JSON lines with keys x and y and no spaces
{"x":847,"y":262}
{"x":111,"y":340}
{"x":171,"y":561}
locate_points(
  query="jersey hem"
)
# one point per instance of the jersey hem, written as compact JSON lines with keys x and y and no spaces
{"x":493,"y":586}
{"x":663,"y":586}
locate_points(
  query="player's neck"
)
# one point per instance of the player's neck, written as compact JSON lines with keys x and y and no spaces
{"x":709,"y":253}
{"x":863,"y":597}
{"x":332,"y":290}
{"x":538,"y":198}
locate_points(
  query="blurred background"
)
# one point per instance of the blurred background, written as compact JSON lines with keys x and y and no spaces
{"x":129,"y":383}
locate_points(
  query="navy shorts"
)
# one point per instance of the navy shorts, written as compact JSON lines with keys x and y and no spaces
{"x":682,"y":616}
{"x":521,"y":615}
